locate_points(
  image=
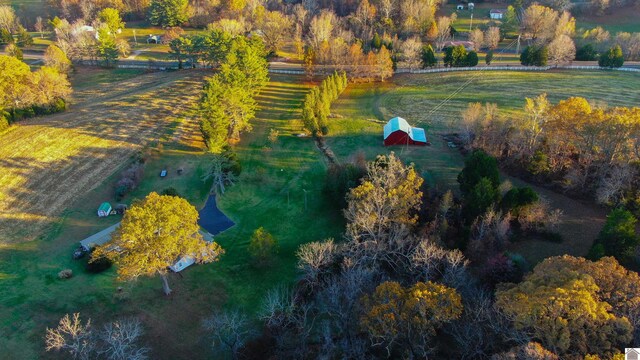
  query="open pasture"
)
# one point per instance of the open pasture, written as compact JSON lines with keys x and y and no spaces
{"x":434,"y":101}
{"x":49,"y":162}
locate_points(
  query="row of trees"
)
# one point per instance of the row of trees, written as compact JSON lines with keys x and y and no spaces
{"x":24,"y":93}
{"x":584,"y":148}
{"x":228,"y":100}
{"x":317,"y":103}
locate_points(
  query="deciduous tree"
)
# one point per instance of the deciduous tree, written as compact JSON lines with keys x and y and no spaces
{"x":397,"y":316}
{"x":56,"y":58}
{"x":154,"y":234}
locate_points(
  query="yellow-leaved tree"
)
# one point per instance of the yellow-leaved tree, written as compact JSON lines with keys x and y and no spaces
{"x":567,"y":305}
{"x":154,"y":234}
{"x":395,"y":316}
{"x":386,"y":202}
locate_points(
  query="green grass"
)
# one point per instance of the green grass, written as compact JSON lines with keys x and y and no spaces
{"x":270,"y":193}
{"x":422,"y":99}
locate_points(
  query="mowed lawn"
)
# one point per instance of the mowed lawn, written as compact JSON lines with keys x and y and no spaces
{"x":269,"y":193}
{"x":434,"y":101}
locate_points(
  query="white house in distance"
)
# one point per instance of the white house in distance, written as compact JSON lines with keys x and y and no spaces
{"x":497,"y":14}
{"x":471,"y":6}
{"x":460,"y":7}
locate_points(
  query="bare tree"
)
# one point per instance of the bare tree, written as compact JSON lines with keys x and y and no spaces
{"x":562,"y":50}
{"x":290,"y":321}
{"x":444,"y":31}
{"x":119,"y":340}
{"x":476,"y":36}
{"x":39,"y":26}
{"x":72,"y":336}
{"x":276,"y":28}
{"x":539,"y":23}
{"x":492,"y":37}
{"x":220,"y":173}
{"x":315,"y":258}
{"x":321,"y":29}
{"x":411,"y":52}
{"x":7,"y":18}
{"x":230,"y":330}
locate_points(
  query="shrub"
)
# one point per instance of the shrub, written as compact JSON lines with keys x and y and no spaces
{"x":489,"y":57}
{"x":170,"y":191}
{"x":612,"y":58}
{"x":98,"y":264}
{"x":517,"y":198}
{"x":130,"y":178}
{"x":586,"y":53}
{"x":500,"y":269}
{"x":618,"y":237}
{"x":262,"y":246}
{"x":534,"y":56}
{"x":65,"y":274}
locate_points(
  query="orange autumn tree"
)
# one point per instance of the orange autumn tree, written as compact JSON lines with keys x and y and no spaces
{"x":396,"y":317}
{"x":153,"y":235}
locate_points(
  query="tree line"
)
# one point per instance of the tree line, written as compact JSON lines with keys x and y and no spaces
{"x":228,"y":103}
{"x":316,"y":106}
{"x":574,"y":145}
{"x":25,"y":93}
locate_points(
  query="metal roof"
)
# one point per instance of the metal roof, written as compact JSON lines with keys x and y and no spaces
{"x":398,"y":123}
{"x":105,"y":206}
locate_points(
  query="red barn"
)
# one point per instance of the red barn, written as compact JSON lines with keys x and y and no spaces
{"x":399,"y":132}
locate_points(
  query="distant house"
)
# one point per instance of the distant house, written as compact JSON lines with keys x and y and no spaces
{"x":104,"y":209}
{"x":399,"y":132}
{"x":497,"y":14}
{"x":632,"y":354}
{"x":460,"y":7}
{"x":154,"y":39}
{"x":471,"y":6}
{"x":468,"y":45}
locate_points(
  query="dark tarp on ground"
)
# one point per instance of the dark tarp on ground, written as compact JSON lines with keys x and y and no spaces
{"x":212,"y":219}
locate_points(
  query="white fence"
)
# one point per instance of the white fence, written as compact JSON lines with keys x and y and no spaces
{"x":511,"y":68}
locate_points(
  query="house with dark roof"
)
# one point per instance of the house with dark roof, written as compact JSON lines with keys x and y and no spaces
{"x":398,"y":132}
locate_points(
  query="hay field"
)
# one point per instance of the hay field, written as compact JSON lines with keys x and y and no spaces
{"x":49,"y":162}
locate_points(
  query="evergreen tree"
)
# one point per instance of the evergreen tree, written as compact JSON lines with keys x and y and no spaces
{"x":612,"y":58}
{"x":168,"y":12}
{"x":472,"y":59}
{"x":376,"y":42}
{"x":428,"y":57}
{"x":618,"y":237}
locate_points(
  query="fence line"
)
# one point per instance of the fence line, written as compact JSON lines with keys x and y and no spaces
{"x":512,"y":68}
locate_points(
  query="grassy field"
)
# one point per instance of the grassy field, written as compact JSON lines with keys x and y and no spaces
{"x":270,"y":193}
{"x":424,"y":101}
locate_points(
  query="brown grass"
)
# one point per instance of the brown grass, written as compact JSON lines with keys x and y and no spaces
{"x":49,"y":162}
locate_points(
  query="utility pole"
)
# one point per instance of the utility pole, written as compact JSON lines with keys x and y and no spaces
{"x":471,"y":22}
{"x":518,"y":46}
{"x":134,"y":37}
